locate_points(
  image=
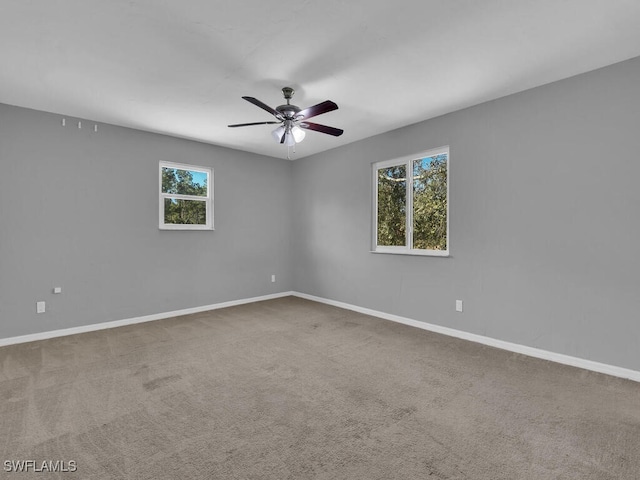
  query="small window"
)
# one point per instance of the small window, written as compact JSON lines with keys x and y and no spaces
{"x":185,"y":197}
{"x":411,"y":204}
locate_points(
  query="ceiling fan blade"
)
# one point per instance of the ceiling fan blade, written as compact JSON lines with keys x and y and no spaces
{"x":324,"y":107}
{"x":336,"y":132}
{"x":254,"y":123}
{"x":263,"y":106}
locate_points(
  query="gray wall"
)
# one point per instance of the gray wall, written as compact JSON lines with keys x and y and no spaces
{"x":80,"y":210}
{"x":544,"y":222}
{"x":544,"y":212}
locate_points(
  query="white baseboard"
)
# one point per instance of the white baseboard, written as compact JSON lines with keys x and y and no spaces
{"x":492,"y":342}
{"x":131,"y":321}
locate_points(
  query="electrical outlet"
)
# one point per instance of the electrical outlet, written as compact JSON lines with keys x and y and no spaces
{"x":458,"y":305}
{"x":57,"y":289}
{"x":273,"y":279}
{"x":40,"y":307}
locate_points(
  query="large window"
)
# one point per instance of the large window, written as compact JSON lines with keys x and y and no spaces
{"x":411,"y":204}
{"x":185,"y":197}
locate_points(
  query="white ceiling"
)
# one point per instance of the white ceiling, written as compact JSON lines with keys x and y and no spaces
{"x":180,"y":67}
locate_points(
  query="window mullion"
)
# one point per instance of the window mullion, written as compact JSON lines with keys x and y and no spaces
{"x":178,"y":196}
{"x":409,"y":229}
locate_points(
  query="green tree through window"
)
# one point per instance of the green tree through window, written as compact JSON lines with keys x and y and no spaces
{"x":392,"y":205}
{"x":430,"y":203}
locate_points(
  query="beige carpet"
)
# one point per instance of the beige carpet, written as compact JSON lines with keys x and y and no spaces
{"x":292,"y":389}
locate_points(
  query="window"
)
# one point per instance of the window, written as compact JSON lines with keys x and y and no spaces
{"x":185,"y":197}
{"x":411,"y":204}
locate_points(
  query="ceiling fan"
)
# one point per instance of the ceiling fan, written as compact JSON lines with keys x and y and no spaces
{"x":293,"y":120}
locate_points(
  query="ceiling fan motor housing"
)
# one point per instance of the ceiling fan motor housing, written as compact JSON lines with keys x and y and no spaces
{"x":289,"y":111}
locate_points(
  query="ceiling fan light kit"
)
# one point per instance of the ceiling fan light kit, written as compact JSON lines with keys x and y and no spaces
{"x":295,"y":135}
{"x":293,"y":120}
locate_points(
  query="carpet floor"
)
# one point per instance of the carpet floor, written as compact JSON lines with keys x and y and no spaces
{"x":293,"y":389}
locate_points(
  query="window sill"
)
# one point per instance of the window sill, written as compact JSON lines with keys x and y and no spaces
{"x":187,"y":227}
{"x":415,"y":253}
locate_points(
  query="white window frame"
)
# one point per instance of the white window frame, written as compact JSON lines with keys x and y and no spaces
{"x":208,"y":199}
{"x":408,"y":162}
